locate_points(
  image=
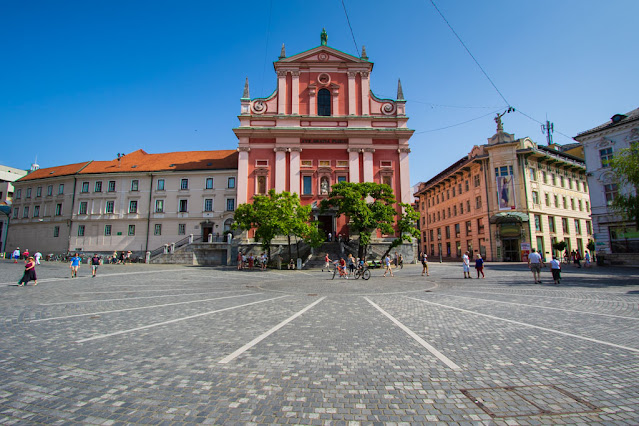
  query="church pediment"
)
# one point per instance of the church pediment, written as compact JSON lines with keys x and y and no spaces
{"x":322,"y":54}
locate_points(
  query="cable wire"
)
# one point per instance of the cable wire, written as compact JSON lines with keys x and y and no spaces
{"x":459,"y":124}
{"x":351,"y":28}
{"x":468,"y":50}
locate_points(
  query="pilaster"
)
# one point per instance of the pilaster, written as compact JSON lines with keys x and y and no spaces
{"x":352,"y":103}
{"x":366,"y":88}
{"x":295,"y":92}
{"x":281,"y":92}
{"x":368,"y":164}
{"x":404,"y":176}
{"x":280,"y":169}
{"x":294,"y":166}
{"x":242,"y":174}
{"x":353,"y":164}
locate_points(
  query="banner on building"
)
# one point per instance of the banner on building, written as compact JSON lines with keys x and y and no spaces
{"x":506,"y":192}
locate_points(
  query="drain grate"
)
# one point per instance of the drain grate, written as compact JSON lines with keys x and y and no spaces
{"x":517,"y":401}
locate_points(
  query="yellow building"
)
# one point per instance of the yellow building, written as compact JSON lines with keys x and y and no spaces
{"x":505,"y":198}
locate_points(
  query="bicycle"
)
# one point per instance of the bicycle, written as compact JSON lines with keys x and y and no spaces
{"x":338,"y":269}
{"x":362,"y":272}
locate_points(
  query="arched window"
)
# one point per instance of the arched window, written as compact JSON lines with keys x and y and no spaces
{"x":324,"y":102}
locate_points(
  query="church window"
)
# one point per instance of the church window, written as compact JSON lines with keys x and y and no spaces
{"x":261,"y":184}
{"x":324,"y":103}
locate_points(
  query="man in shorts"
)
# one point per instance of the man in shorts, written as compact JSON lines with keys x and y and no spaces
{"x":424,"y":258}
{"x":95,"y":262}
{"x":75,"y":265}
{"x":535,"y":263}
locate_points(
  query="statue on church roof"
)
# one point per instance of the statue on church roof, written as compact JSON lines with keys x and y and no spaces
{"x":324,"y":37}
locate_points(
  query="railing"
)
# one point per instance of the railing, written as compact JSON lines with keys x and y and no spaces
{"x":170,"y":248}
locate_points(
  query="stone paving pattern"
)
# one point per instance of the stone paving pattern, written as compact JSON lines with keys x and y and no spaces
{"x":527,"y":353}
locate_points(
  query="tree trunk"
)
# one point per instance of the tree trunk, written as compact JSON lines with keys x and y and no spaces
{"x":290,"y":250}
{"x":297,"y":246}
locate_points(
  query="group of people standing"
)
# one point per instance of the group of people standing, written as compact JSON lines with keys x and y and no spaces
{"x":31,"y":262}
{"x":250,"y":261}
{"x":479,"y":265}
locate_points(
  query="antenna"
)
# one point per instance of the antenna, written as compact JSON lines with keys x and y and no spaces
{"x":548,"y":130}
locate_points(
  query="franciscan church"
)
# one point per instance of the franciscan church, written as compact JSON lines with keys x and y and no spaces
{"x":322,"y":125}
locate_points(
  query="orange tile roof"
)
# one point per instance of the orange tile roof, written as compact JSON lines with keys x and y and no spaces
{"x":187,"y":160}
{"x":140,"y":161}
{"x":49,"y":172}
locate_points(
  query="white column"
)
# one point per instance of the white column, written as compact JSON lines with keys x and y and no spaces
{"x":368,"y":164}
{"x":242,"y":175}
{"x":280,"y":169}
{"x":335,"y":96}
{"x":312,"y":103}
{"x":404,"y":176}
{"x":353,"y":165}
{"x":281,"y":92}
{"x":295,"y":92}
{"x":295,"y":170}
{"x":366,"y":88}
{"x":352,"y":104}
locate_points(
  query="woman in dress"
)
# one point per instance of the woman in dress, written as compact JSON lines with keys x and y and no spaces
{"x":29,"y":273}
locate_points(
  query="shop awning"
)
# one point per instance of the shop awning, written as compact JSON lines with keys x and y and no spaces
{"x":509,"y":217}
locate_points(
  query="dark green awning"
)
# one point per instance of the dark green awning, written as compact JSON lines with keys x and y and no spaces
{"x":509,"y":217}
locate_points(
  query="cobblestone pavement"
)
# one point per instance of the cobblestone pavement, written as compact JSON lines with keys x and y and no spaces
{"x":177,"y":345}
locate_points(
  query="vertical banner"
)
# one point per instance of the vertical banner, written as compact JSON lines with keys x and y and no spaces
{"x":506,"y":192}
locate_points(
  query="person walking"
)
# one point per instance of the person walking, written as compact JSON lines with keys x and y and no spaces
{"x":578,"y":259}
{"x":95,"y":262}
{"x":75,"y":265}
{"x":424,"y":259}
{"x":351,"y":264}
{"x":327,"y":263}
{"x":37,"y":256}
{"x":587,"y":259}
{"x":466,"y":265}
{"x":387,"y":262}
{"x":239,"y":260}
{"x":479,"y":265}
{"x":535,"y":263}
{"x":26,"y":254}
{"x":29,"y":273}
{"x":16,"y":255}
{"x":555,"y":269}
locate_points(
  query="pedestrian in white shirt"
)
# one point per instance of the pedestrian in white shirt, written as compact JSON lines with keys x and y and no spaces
{"x":535,"y":263}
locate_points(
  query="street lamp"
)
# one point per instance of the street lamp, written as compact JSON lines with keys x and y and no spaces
{"x":439,"y":239}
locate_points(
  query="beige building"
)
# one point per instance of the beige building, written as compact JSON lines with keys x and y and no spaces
{"x":137,"y":202}
{"x":505,"y":198}
{"x":7,"y":176}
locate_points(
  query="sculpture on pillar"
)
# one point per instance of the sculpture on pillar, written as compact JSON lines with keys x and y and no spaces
{"x":324,"y":186}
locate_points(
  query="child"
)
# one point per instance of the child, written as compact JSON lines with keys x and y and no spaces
{"x":327,"y":263}
{"x":95,"y":262}
{"x":29,"y":273}
{"x":479,"y":265}
{"x":75,"y":265}
{"x":555,"y":269}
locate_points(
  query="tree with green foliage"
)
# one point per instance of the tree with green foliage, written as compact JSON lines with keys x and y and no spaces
{"x":277,"y":214}
{"x":406,"y":227}
{"x":369,"y":207}
{"x":625,"y":166}
{"x":559,"y":246}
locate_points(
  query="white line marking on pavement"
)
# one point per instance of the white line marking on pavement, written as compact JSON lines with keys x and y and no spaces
{"x":132,"y":298}
{"x":55,"y":279}
{"x":563,"y":333}
{"x":157,"y":324}
{"x":258,"y":339}
{"x":142,"y":307}
{"x":560,"y":289}
{"x":536,"y":306}
{"x":133,"y":290}
{"x":418,"y":339}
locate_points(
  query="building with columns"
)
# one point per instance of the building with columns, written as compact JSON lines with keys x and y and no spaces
{"x":505,"y":198}
{"x":322,"y":125}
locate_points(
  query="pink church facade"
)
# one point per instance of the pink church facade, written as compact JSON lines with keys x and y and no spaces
{"x":322,"y":125}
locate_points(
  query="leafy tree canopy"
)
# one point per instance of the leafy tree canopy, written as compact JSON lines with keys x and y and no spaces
{"x":369,"y":206}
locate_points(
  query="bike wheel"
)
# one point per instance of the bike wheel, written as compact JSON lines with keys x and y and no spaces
{"x":366,"y":274}
{"x":334,"y":273}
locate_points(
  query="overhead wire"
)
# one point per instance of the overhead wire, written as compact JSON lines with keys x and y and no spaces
{"x":350,"y":27}
{"x":469,"y":52}
{"x":459,"y":124}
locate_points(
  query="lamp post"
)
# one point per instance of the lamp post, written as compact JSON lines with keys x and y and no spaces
{"x":439,"y":240}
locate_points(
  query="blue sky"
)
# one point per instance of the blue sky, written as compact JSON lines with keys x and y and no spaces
{"x":85,"y":80}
